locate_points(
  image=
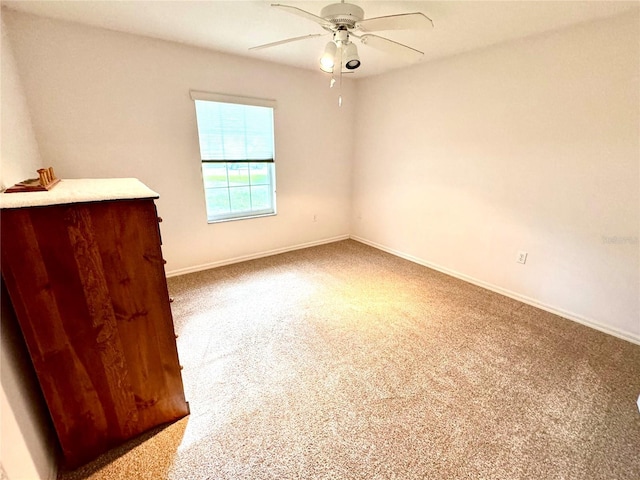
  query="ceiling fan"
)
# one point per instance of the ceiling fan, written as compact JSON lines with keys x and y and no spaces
{"x":345,"y":21}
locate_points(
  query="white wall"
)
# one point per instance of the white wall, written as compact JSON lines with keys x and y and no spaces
{"x":109,"y":104}
{"x":26,"y":439}
{"x":20,"y":154}
{"x":531,"y":145}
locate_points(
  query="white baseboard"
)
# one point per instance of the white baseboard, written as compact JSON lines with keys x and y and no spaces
{"x":630,"y":337}
{"x":253,"y":256}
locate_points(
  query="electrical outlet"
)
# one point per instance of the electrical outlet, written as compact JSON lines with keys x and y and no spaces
{"x":522,"y":257}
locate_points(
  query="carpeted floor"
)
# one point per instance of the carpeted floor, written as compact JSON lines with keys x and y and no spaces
{"x":344,"y":362}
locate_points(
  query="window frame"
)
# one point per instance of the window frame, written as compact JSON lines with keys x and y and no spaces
{"x":247,"y":163}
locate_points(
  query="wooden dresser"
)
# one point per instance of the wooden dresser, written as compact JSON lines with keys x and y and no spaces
{"x":85,"y":274}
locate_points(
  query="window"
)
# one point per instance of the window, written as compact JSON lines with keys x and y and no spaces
{"x":237,"y":154}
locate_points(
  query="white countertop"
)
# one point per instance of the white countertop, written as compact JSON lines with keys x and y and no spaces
{"x":79,"y":191}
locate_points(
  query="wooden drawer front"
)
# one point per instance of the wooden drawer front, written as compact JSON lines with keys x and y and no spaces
{"x":88,"y":286}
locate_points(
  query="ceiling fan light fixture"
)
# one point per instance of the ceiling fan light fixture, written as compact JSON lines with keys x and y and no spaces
{"x":351,"y":58}
{"x":327,"y":61}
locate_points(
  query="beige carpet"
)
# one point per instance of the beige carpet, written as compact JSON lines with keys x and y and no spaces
{"x":343,"y":362}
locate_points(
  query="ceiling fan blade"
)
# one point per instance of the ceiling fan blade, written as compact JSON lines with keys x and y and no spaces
{"x":403,"y":21}
{"x":288,"y":40}
{"x":303,"y":13}
{"x":394,"y":48}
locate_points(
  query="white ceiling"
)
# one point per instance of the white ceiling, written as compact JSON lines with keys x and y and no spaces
{"x":234,"y":26}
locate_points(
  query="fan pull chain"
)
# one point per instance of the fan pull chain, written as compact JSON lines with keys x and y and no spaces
{"x":332,"y":82}
{"x":340,"y":67}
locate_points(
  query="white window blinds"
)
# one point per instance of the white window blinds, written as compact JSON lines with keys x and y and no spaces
{"x":233,"y":132}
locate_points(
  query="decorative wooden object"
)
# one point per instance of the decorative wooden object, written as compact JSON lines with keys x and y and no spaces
{"x":88,"y":286}
{"x":46,"y":181}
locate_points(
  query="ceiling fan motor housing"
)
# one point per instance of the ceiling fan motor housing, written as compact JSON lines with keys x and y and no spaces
{"x":342,"y":14}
